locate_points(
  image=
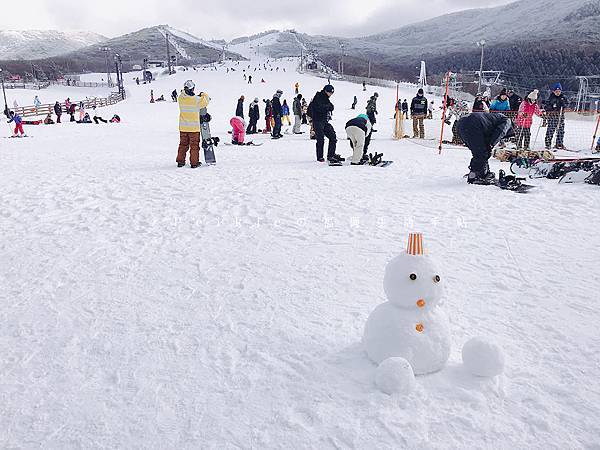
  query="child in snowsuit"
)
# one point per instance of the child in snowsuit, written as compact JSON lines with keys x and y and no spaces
{"x":239,"y":130}
{"x":18,"y":123}
{"x":528,"y":108}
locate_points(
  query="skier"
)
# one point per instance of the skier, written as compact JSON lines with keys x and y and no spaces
{"x":277,"y":113}
{"x":249,"y":79}
{"x":555,"y":113}
{"x":254,"y":115}
{"x":151,"y":95}
{"x":354,"y":102}
{"x":364,"y":87}
{"x":285,"y":113}
{"x":239,"y":110}
{"x":525,"y":118}
{"x":268,"y":116}
{"x":359,"y":131}
{"x":190,"y":105}
{"x":372,"y":109}
{"x":238,"y":133}
{"x":297,"y":110}
{"x":418,"y":111}
{"x":297,"y":88}
{"x":57,"y":111}
{"x":18,"y":123}
{"x":320,"y":110}
{"x":174,"y":95}
{"x":481,"y":132}
{"x":405,"y":109}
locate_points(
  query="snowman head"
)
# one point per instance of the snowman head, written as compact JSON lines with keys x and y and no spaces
{"x":412,"y":280}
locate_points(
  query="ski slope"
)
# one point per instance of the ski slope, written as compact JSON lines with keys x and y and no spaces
{"x":142,"y":305}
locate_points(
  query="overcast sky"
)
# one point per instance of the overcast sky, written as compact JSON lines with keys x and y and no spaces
{"x":227,"y":19}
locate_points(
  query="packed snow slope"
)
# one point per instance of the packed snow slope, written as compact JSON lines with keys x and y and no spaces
{"x":142,"y":305}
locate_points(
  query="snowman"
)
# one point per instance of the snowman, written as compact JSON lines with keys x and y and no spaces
{"x":410,"y":334}
{"x":411,"y":324}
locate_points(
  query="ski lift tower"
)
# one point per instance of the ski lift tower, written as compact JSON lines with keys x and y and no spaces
{"x":423,"y":76}
{"x":589,"y":90}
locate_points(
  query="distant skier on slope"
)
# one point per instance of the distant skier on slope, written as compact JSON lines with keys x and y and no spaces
{"x":481,"y":132}
{"x":190,"y":105}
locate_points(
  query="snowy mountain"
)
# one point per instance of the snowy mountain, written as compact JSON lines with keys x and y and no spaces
{"x":133,"y":47}
{"x":35,"y":44}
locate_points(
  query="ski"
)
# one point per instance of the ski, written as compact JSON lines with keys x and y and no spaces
{"x":251,"y":144}
{"x":208,"y":142}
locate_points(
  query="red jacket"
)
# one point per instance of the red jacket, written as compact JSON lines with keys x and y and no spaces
{"x":526,"y":112}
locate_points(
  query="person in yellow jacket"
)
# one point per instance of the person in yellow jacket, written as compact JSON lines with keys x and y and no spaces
{"x":189,"y":124}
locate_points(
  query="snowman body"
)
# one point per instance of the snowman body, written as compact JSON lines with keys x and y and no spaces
{"x":411,"y":323}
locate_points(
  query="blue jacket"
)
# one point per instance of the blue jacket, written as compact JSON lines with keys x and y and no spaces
{"x":499,"y":105}
{"x":16,"y":119}
{"x":285,"y":110}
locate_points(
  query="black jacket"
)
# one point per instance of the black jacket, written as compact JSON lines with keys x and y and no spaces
{"x":276,"y":104}
{"x":239,"y":111}
{"x":515,"y":101}
{"x":492,"y":127}
{"x":555,"y":103}
{"x":418,"y":106}
{"x":320,"y":107}
{"x":254,"y":112}
{"x":404,"y":106}
{"x":297,"y":107}
{"x":57,"y":109}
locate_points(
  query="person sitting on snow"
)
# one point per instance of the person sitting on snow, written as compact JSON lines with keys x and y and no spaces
{"x":48,"y":120}
{"x":359,"y":132}
{"x":481,"y":132}
{"x":86,"y":119}
{"x":239,"y":130}
{"x":115,"y":119}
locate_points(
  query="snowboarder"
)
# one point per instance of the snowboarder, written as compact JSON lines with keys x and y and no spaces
{"x":304,"y":109}
{"x":297,"y":110}
{"x":555,"y":113}
{"x":320,"y":110}
{"x":249,"y":79}
{"x":418,"y":111}
{"x":85,"y":119}
{"x":364,"y":87}
{"x":238,"y":133}
{"x":239,"y":110}
{"x":481,"y":132}
{"x":190,"y":105}
{"x":354,"y":102}
{"x":174,"y":95}
{"x":285,"y":113}
{"x":13,"y":117}
{"x":254,"y":115}
{"x":359,"y":131}
{"x":372,"y":109}
{"x":277,"y":113}
{"x":524,"y":119}
{"x":57,"y":111}
{"x":268,"y":116}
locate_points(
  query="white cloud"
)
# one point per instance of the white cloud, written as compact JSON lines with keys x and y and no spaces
{"x":219,"y":19}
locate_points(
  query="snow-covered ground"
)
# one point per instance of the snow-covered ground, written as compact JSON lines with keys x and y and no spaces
{"x":142,"y":305}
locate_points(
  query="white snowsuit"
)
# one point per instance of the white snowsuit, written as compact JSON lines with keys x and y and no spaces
{"x":357,"y":139}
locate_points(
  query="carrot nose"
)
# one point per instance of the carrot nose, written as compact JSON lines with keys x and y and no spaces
{"x":421,"y":303}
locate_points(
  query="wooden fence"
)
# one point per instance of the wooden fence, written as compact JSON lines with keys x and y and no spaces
{"x":43,"y":110}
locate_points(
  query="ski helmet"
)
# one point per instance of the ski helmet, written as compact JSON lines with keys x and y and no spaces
{"x":189,"y":84}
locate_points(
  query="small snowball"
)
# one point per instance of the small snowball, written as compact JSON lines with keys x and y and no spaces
{"x":483,"y":358}
{"x":395,"y":376}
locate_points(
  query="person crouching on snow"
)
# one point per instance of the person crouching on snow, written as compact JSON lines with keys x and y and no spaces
{"x":239,"y":130}
{"x":359,"y":132}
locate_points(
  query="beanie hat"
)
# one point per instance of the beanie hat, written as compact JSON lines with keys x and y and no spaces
{"x":503,"y":91}
{"x":420,"y":91}
{"x":329,"y":88}
{"x":533,"y":95}
{"x":557,"y":86}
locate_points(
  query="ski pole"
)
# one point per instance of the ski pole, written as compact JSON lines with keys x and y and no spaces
{"x":595,"y":133}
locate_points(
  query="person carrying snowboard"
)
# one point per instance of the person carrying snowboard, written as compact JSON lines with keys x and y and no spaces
{"x":320,"y":110}
{"x":13,"y":117}
{"x":254,"y":115}
{"x":359,"y":131}
{"x":481,"y":132}
{"x":418,"y":111}
{"x":190,"y":105}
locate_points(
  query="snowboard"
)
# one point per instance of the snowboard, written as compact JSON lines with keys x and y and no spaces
{"x":208,"y":142}
{"x":17,"y":137}
{"x":508,"y":183}
{"x":252,"y":144}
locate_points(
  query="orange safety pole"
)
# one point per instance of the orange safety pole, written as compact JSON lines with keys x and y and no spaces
{"x":444,"y":113}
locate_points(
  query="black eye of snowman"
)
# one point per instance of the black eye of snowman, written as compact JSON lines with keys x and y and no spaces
{"x":437,"y":279}
{"x":413,"y":276}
